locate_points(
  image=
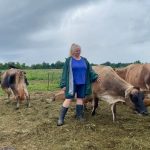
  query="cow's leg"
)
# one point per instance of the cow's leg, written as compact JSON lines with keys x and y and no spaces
{"x":147,"y":86}
{"x":27,"y":95}
{"x":9,"y":92}
{"x":95,"y":105}
{"x":8,"y":95}
{"x":113,"y":110}
{"x":18,"y":104}
{"x":88,"y":102}
{"x":28,"y":101}
{"x":53,"y":97}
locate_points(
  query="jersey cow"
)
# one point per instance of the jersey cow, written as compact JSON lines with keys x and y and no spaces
{"x":136,"y":74}
{"x":14,"y":81}
{"x":113,"y":89}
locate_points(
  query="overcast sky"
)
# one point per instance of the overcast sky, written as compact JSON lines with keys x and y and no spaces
{"x":36,"y":31}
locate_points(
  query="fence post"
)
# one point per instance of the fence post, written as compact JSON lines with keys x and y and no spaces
{"x":48,"y":81}
{"x":52,"y":77}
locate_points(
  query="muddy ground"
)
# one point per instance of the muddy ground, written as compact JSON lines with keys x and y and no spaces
{"x":35,"y":128}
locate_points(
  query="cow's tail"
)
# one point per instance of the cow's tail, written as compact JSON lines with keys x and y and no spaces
{"x":147,"y":81}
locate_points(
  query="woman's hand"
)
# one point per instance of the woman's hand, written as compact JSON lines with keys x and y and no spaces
{"x":64,"y":89}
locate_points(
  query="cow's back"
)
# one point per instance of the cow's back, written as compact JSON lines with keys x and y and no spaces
{"x":139,"y":75}
{"x":133,"y":74}
{"x":5,"y":77}
{"x":110,"y":81}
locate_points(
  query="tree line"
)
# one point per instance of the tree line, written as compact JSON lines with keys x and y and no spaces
{"x":56,"y":65}
{"x":120,"y":65}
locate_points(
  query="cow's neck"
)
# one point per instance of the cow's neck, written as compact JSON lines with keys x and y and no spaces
{"x":120,"y":86}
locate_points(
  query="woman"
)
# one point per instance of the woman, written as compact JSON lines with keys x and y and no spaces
{"x":76,"y":79}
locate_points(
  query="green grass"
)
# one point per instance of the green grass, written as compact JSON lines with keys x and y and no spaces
{"x":42,"y":74}
{"x":38,"y":79}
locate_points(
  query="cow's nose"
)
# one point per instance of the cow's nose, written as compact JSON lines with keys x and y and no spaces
{"x":141,"y":95}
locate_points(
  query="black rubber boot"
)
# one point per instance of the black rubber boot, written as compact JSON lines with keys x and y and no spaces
{"x":80,"y":112}
{"x":62,"y":116}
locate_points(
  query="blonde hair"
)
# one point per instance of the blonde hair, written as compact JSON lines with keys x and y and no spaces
{"x":73,"y":47}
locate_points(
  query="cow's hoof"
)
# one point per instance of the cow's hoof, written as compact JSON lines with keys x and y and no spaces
{"x":17,"y":108}
{"x":93,"y":113}
{"x":28,"y":105}
{"x":85,"y":108}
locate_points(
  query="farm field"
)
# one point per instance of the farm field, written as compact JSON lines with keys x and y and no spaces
{"x":35,"y":128}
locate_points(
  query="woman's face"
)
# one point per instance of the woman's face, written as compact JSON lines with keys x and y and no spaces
{"x":77,"y":52}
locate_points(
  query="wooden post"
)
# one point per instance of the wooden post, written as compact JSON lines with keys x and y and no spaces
{"x":52,"y":77}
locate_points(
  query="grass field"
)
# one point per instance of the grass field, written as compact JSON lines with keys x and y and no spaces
{"x":35,"y":128}
{"x":38,"y":79}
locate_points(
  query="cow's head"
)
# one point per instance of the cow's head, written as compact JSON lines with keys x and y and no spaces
{"x":20,"y":77}
{"x":136,"y":94}
{"x":137,"y":98}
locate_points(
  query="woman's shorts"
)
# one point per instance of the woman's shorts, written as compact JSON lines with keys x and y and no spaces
{"x":79,"y":90}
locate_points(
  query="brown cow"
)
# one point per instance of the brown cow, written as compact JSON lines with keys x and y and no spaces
{"x":112,"y":89}
{"x":13,"y":81}
{"x":136,"y":74}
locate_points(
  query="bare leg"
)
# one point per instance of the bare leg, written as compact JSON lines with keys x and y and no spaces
{"x":66,"y":103}
{"x":79,"y":101}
